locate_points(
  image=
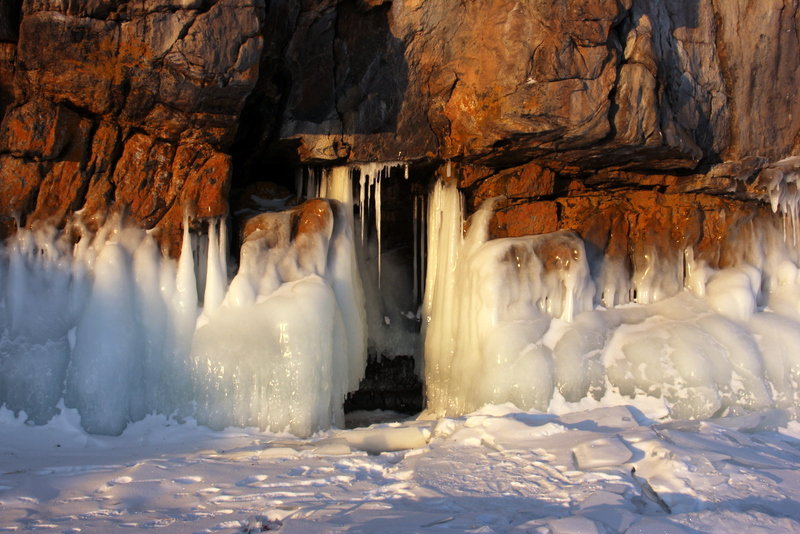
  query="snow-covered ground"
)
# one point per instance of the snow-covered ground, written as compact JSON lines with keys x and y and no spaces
{"x":604,"y":469}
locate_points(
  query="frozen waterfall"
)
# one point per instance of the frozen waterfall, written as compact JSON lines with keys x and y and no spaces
{"x":119,"y":331}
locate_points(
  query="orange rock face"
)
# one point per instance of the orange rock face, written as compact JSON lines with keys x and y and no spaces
{"x":124,"y":107}
{"x":640,"y":124}
{"x":8,"y":53}
{"x":587,"y":84}
{"x":19,"y":186}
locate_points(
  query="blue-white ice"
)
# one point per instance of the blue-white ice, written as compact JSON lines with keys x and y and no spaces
{"x":119,"y":332}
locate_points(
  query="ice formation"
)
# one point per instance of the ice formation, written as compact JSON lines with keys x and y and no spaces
{"x":118,"y":332}
{"x":124,"y":332}
{"x":487,"y":305}
{"x":521,"y":320}
{"x":289,"y":340}
{"x":392,"y":328}
{"x":780,"y":185}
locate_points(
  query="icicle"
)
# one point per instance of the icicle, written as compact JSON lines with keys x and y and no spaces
{"x":362,"y":208}
{"x":215,"y":278}
{"x":17,"y":282}
{"x":378,"y":218}
{"x":423,"y":244}
{"x":415,"y":259}
{"x":367,"y":200}
{"x":200,"y":255}
{"x":223,"y":249}
{"x":186,"y":289}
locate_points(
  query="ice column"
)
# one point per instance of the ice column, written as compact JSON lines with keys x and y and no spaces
{"x":488,"y":304}
{"x":345,"y":273}
{"x":106,"y":357}
{"x":216,"y":276}
{"x":445,"y":236}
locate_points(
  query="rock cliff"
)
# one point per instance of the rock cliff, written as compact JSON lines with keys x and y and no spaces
{"x":644,"y":125}
{"x":125,"y":106}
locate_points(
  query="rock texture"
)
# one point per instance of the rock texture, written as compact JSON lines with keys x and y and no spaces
{"x":625,"y":120}
{"x":647,"y":84}
{"x":127,"y":106}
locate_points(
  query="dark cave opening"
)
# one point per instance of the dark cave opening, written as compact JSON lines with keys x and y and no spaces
{"x":10,"y":19}
{"x":393,"y":277}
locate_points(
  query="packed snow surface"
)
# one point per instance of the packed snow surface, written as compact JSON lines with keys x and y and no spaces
{"x":594,"y":469}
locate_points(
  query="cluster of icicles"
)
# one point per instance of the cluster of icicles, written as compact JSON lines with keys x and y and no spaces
{"x":115,"y":330}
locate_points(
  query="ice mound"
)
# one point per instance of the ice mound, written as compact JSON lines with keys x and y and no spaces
{"x":120,"y":332}
{"x":519,"y":320}
{"x":487,"y":305}
{"x":288,"y":341}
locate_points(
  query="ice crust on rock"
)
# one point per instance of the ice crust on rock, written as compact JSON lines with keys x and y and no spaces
{"x":520,"y":320}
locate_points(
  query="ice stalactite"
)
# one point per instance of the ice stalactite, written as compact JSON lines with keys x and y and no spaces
{"x":513,"y":320}
{"x":362,"y":184}
{"x":780,"y":183}
{"x":420,"y":217}
{"x":216,"y":273}
{"x":370,"y":176}
{"x":311,"y":183}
